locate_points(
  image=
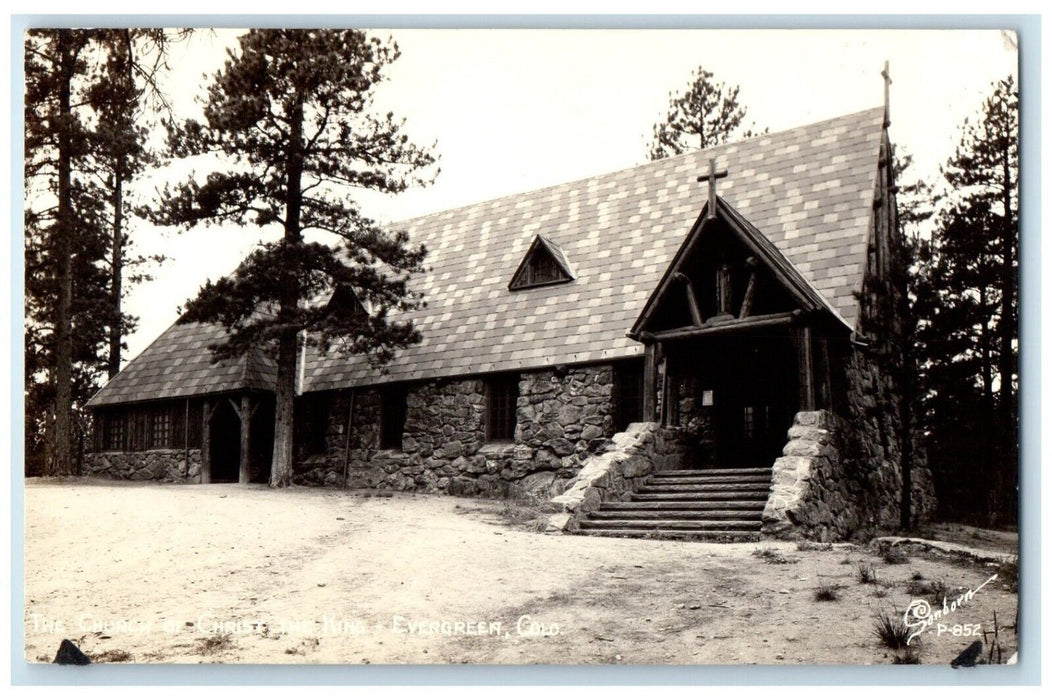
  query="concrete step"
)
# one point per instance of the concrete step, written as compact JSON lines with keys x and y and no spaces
{"x":696,"y":496}
{"x":664,"y":480}
{"x":683,"y":535}
{"x":757,"y":504}
{"x":753,"y":524}
{"x":715,"y":471}
{"x":670,"y":514}
{"x":703,"y":488}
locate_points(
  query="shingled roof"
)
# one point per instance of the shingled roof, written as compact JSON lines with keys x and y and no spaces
{"x":809,"y":190}
{"x":178,"y":364}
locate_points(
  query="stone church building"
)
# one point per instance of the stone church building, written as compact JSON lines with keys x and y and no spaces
{"x":701,"y":346}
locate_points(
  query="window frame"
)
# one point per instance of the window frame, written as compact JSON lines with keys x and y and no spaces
{"x":628,"y":384}
{"x":394,"y":397}
{"x":161,"y":428}
{"x":502,"y":401}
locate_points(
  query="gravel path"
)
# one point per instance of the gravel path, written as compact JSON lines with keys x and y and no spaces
{"x":222,"y":573}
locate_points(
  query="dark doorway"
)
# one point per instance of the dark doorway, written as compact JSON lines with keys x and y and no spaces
{"x":262,"y":442}
{"x":753,"y":400}
{"x":225,"y":453}
{"x":737,"y":395}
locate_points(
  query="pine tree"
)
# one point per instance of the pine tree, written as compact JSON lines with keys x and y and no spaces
{"x":83,"y":142}
{"x":706,"y":114}
{"x":291,"y":114}
{"x":123,"y":95}
{"x":967,"y":303}
{"x":59,"y":220}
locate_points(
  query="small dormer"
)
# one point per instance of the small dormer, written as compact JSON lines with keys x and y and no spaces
{"x":345,"y":302}
{"x":544,"y":264}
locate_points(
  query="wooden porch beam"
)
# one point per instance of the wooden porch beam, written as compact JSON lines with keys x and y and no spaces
{"x":731,"y":326}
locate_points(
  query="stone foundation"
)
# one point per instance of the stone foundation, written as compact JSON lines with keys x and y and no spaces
{"x":832,"y":483}
{"x":151,"y":465}
{"x":563,"y":417}
{"x":643,"y":449}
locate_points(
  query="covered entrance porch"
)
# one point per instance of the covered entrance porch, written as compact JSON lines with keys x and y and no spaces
{"x":736,"y":342}
{"x":237,"y":436}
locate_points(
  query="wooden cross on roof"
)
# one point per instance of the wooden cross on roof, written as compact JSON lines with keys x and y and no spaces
{"x":886,"y":74}
{"x":712,"y":177}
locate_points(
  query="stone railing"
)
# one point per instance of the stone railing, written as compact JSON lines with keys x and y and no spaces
{"x":810,"y":494}
{"x":642,"y":449}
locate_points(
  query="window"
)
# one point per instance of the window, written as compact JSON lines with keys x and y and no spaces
{"x":628,"y":394}
{"x":392,"y":417}
{"x":160,"y":428}
{"x":113,"y":431}
{"x":749,"y":424}
{"x":544,"y":264}
{"x":313,"y":423}
{"x":502,"y":397}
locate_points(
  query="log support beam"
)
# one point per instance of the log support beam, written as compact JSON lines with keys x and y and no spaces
{"x":802,"y":340}
{"x":692,"y":299}
{"x":650,"y":372}
{"x":207,"y":409}
{"x":244,"y":413}
{"x":750,"y":289}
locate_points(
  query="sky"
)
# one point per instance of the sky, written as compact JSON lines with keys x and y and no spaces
{"x":515,"y":110}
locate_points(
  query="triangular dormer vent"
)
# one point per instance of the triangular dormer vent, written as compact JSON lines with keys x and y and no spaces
{"x":545,"y":263}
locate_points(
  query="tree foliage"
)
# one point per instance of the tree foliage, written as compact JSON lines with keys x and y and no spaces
{"x":966,"y":297}
{"x":84,"y":139}
{"x":291,"y":118}
{"x":706,"y":114}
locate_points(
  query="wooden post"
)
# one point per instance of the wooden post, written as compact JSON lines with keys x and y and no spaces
{"x":347,"y":437}
{"x":823,"y":382}
{"x":206,"y":442}
{"x":650,"y":382}
{"x":186,"y":435}
{"x":244,"y":475}
{"x":805,"y":365}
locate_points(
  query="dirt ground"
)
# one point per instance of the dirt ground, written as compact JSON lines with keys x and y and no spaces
{"x":226,"y":574}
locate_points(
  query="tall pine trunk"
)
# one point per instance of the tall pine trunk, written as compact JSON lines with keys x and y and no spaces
{"x":284,"y":417}
{"x":113,"y":364}
{"x":63,"y":242}
{"x":1007,"y":467}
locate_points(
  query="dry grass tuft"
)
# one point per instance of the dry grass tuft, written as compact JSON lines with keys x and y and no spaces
{"x":891,"y":629}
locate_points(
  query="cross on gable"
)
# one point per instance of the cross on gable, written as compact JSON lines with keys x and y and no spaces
{"x":712,"y":177}
{"x":886,"y":74}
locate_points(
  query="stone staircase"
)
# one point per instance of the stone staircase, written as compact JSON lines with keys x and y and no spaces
{"x":717,"y":504}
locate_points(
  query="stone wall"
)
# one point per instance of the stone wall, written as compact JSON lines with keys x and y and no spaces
{"x":563,"y":416}
{"x":841,"y":478}
{"x":641,"y":450}
{"x":156,"y":465}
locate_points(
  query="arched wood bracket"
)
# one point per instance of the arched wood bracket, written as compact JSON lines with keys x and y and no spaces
{"x":692,"y":299}
{"x":750,"y":288}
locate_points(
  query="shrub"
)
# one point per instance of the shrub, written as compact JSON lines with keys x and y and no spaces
{"x":891,"y":629}
{"x":909,"y":655}
{"x":808,"y":546}
{"x":772,"y":556}
{"x":895,"y":556}
{"x":866,"y":573}
{"x":827,"y":592}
